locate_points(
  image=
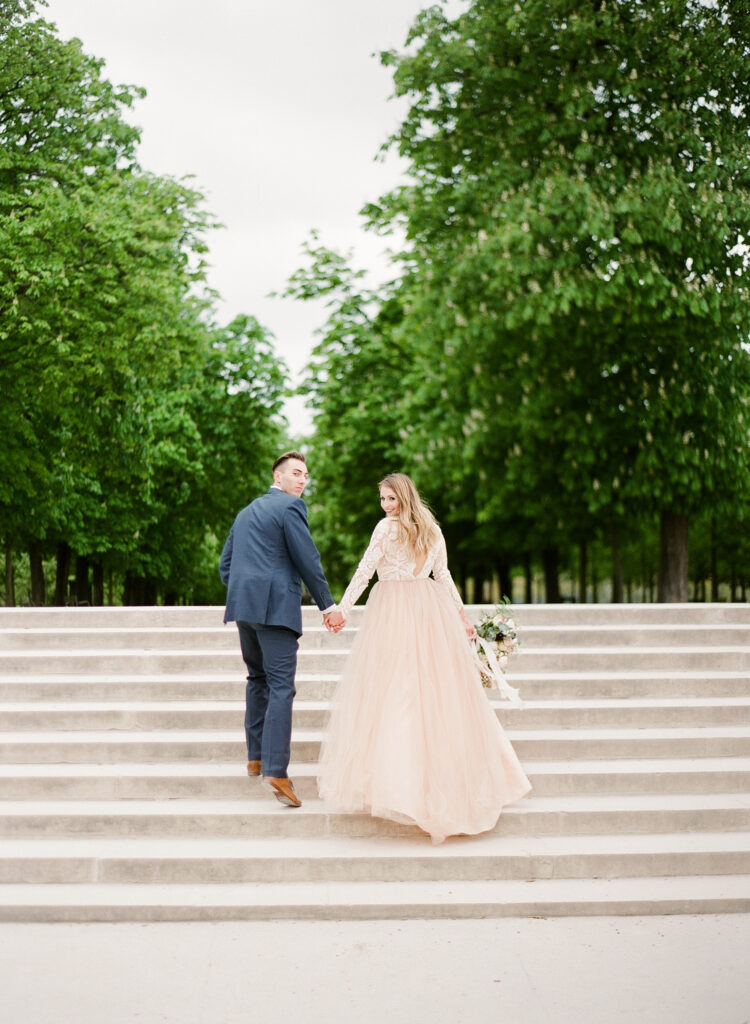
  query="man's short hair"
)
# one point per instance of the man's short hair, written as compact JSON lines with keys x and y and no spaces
{"x":285,"y":458}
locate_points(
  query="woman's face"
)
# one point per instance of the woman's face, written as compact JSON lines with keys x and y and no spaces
{"x":388,"y":501}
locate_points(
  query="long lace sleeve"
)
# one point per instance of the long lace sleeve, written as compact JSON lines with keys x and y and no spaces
{"x":367,"y":566}
{"x":442,"y":574}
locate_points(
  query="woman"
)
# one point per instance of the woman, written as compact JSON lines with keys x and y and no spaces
{"x":412,"y":736}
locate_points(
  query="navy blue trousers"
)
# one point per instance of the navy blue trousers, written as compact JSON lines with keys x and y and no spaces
{"x":270,"y":653}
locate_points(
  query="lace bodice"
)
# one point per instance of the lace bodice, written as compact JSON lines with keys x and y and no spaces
{"x":393,"y":561}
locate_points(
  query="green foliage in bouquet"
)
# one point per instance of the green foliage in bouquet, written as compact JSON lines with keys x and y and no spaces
{"x":497,"y":639}
{"x":499,"y":628}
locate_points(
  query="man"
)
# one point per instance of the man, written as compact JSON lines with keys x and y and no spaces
{"x":267,"y":551}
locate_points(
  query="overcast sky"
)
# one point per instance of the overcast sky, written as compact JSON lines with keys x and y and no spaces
{"x":279,"y":108}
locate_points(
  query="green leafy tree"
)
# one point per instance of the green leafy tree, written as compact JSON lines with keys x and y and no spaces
{"x":60,"y":123}
{"x":121,"y":397}
{"x":575,"y":217}
{"x":355,"y":384}
{"x":239,"y":416}
{"x":233,"y":398}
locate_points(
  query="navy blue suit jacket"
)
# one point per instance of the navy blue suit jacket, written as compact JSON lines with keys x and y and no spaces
{"x":268,"y":550}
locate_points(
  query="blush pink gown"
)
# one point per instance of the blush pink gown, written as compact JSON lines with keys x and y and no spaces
{"x":412,"y":736}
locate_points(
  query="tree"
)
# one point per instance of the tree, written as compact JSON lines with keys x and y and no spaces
{"x":232,"y":396}
{"x":355,"y":382}
{"x":575,"y":218}
{"x":238,"y":412}
{"x":60,"y":127}
{"x":120,"y":393}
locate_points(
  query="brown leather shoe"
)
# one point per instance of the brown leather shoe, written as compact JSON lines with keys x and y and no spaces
{"x":253,"y":767}
{"x":283,"y":790}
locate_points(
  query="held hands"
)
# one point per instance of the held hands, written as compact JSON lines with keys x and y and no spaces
{"x":334,"y":621}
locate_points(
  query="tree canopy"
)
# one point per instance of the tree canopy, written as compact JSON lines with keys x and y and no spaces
{"x":132,"y":423}
{"x":573,"y":285}
{"x":560,"y":357}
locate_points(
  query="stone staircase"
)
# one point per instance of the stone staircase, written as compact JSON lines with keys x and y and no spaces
{"x":123,"y":793}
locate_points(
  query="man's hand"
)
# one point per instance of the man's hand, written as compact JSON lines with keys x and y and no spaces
{"x":334,"y":621}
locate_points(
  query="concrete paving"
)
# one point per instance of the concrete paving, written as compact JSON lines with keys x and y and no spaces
{"x":650,"y":970}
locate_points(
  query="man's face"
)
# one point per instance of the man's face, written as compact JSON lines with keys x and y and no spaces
{"x":291,"y":476}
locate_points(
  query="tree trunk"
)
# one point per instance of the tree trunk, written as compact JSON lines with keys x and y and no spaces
{"x":62,"y":573}
{"x":506,"y":580}
{"x":528,"y":594}
{"x":36,"y":566}
{"x":582,"y":571}
{"x":673,"y":558}
{"x":733,"y":583}
{"x":97,"y":574}
{"x":714,"y":564}
{"x":139,"y":591}
{"x":550,"y":561}
{"x":83,"y":589}
{"x":10,"y":589}
{"x":645,"y":576}
{"x":478,"y":587}
{"x":129,"y":596}
{"x":617,"y":587}
{"x":594,"y":579}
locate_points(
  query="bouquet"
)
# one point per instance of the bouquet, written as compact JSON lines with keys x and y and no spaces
{"x":495,"y":642}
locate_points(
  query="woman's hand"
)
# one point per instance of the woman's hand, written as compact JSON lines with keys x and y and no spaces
{"x":334,"y":621}
{"x":468,"y":626}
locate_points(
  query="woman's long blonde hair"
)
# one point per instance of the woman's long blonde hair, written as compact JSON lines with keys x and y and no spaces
{"x":417,"y":527}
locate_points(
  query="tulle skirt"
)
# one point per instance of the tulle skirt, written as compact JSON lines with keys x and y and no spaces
{"x":412,"y":736}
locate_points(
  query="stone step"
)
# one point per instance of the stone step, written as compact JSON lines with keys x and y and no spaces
{"x":562,"y":659}
{"x":642,"y":776}
{"x":623,"y":685}
{"x":378,"y":859}
{"x":230,"y":686}
{"x":527,"y":615}
{"x":612,"y":659}
{"x":624,"y":634}
{"x":224,"y":637}
{"x":530,"y":744}
{"x":225,"y":715}
{"x":122,"y":767}
{"x":207,"y":638}
{"x":259,"y":816}
{"x":228,"y":781}
{"x":540,"y":898}
{"x":114,"y":617}
{"x":220,"y":686}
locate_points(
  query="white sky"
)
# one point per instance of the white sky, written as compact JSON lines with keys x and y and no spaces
{"x":278,"y":107}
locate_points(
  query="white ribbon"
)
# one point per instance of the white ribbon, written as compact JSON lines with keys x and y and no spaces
{"x":497,"y":677}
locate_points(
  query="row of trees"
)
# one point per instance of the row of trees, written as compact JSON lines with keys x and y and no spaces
{"x":133,"y":425}
{"x":561,"y":358}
